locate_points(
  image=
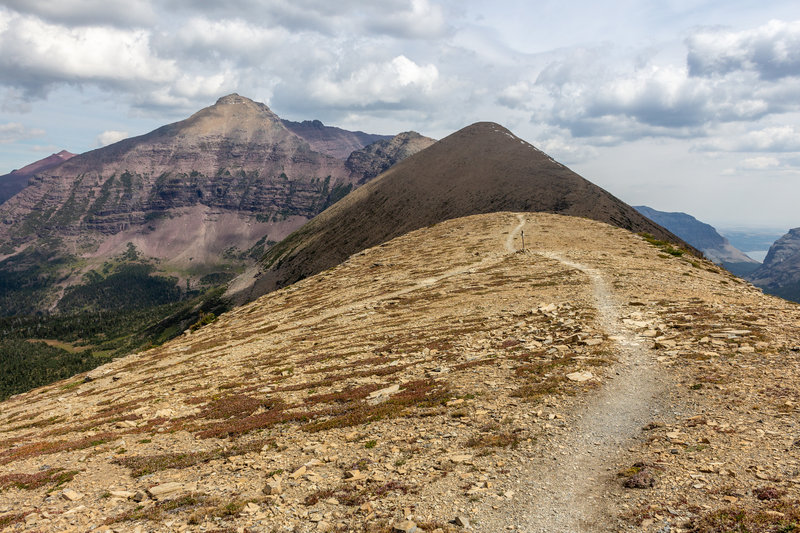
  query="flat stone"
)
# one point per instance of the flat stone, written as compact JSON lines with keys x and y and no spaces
{"x":406,"y":526}
{"x":273,"y":488}
{"x":354,"y":475}
{"x":462,"y":521}
{"x":125,"y":494}
{"x":165,"y":489}
{"x":388,"y":391}
{"x":580,"y":376}
{"x":251,"y":508}
{"x":72,"y":495}
{"x":299,"y":472}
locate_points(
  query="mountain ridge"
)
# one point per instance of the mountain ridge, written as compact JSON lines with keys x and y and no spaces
{"x":480,"y":168}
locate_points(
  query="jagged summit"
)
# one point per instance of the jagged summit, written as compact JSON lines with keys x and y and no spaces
{"x":481,"y":168}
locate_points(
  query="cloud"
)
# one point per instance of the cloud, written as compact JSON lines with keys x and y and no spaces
{"x":14,"y":131}
{"x":728,"y":77}
{"x":210,"y":41}
{"x":770,"y":50}
{"x":38,"y":54}
{"x":420,"y":19}
{"x":389,"y":84}
{"x":771,"y":139}
{"x":760,"y":163}
{"x":121,"y":13}
{"x":110,"y":137}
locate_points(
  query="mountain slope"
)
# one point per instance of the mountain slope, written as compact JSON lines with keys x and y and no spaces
{"x":480,"y":169}
{"x":16,"y":180}
{"x":444,"y":376}
{"x":780,"y":273}
{"x":332,"y":141}
{"x":703,"y":237}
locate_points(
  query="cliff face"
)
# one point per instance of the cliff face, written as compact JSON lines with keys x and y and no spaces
{"x":330,"y":140}
{"x":780,"y":273}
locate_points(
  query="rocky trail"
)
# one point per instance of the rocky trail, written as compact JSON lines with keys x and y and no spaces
{"x":566,"y":493}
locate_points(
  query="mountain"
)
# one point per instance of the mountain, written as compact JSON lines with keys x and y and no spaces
{"x":440,"y":379}
{"x":780,"y":273}
{"x":16,"y":180}
{"x":703,"y":237}
{"x":381,"y":155}
{"x":332,"y":141}
{"x":196,"y":199}
{"x":482,"y":168}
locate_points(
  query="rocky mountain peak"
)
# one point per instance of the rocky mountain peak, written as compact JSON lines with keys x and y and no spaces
{"x":233,"y":98}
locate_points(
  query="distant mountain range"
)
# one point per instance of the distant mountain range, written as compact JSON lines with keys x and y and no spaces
{"x":703,"y":237}
{"x":482,"y":168}
{"x":16,"y":180}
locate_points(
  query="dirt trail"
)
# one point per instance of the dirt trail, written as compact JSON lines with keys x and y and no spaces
{"x":566,"y":490}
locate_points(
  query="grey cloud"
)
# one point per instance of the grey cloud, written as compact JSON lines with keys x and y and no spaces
{"x":121,"y":13}
{"x":772,"y":50}
{"x":404,"y":19}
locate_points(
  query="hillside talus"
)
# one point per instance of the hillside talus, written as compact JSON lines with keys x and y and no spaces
{"x":434,"y":381}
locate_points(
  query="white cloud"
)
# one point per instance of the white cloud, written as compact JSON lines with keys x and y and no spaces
{"x":235,"y":40}
{"x":770,"y":50}
{"x":37,"y":54}
{"x":771,"y":139}
{"x":14,"y":131}
{"x":110,"y":137}
{"x":383,"y":84}
{"x":760,"y":163}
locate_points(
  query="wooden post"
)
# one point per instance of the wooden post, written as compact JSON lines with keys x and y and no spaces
{"x":522,"y":232}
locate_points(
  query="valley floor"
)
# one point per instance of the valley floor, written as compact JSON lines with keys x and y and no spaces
{"x":447,"y":379}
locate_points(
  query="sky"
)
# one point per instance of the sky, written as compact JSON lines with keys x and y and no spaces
{"x":681,"y":105}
